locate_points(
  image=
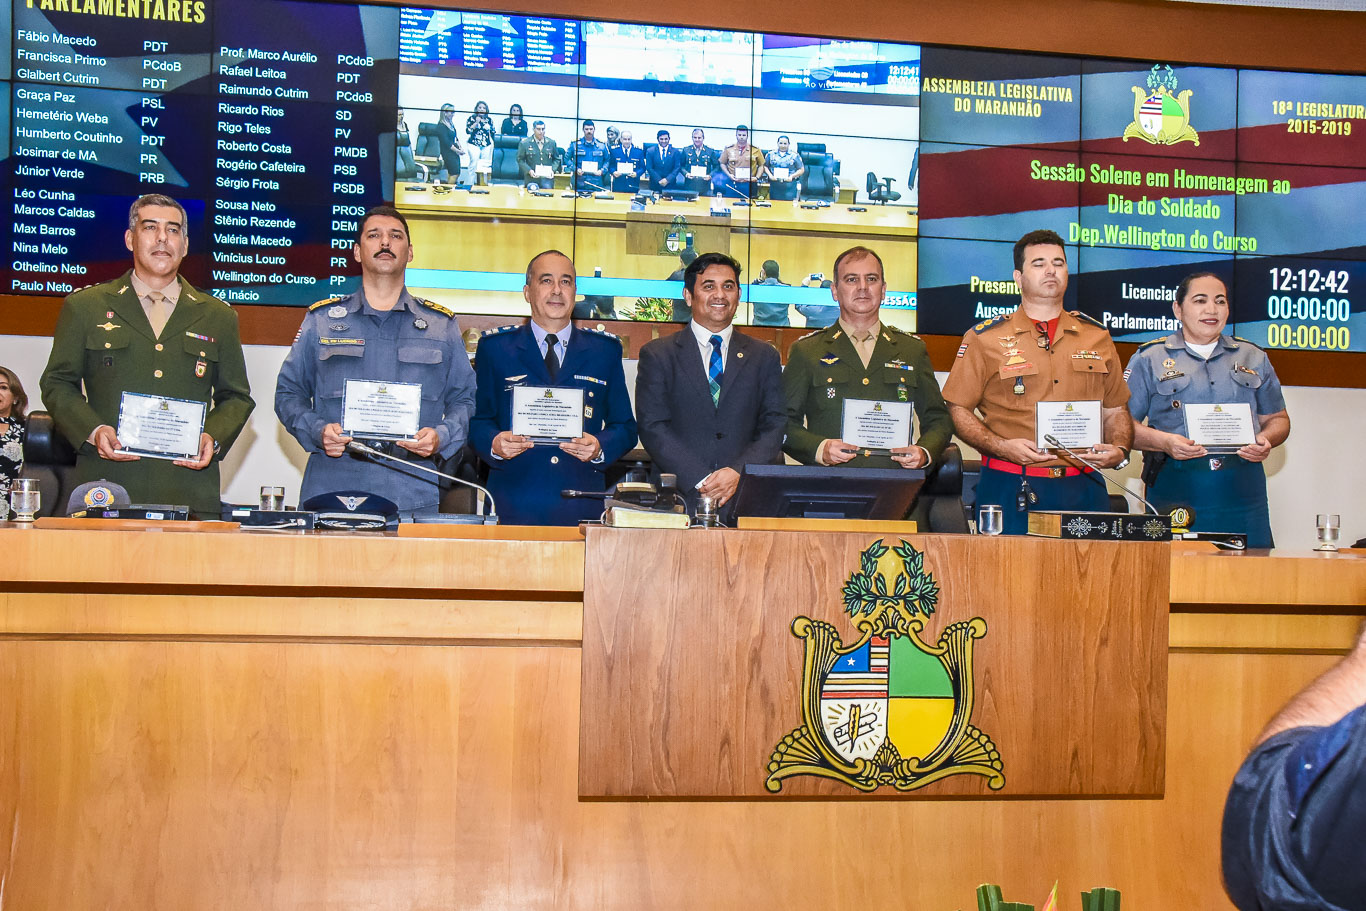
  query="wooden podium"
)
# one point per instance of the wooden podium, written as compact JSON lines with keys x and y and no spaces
{"x":341,"y":721}
{"x":714,"y":666}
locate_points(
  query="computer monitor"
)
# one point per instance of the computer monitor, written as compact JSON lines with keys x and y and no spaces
{"x":817,"y":492}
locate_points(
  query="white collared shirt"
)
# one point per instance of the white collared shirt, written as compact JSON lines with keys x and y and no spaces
{"x":703,"y":336}
{"x":562,"y":336}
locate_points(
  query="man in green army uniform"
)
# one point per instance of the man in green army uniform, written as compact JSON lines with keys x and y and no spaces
{"x":860,"y":358}
{"x":148,"y":332}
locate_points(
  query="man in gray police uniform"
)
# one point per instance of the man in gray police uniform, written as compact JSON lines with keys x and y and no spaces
{"x":379,"y":333}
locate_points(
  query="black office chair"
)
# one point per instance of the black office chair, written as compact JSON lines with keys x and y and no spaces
{"x":880,"y":191}
{"x":49,"y":458}
{"x":428,"y":150}
{"x":819,"y":180}
{"x":939,"y":509}
{"x":406,"y":167}
{"x":505,"y":167}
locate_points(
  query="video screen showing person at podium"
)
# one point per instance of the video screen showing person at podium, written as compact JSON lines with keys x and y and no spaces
{"x":830,"y":114}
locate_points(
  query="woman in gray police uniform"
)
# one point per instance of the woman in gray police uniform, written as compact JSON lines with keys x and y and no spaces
{"x":1198,"y":364}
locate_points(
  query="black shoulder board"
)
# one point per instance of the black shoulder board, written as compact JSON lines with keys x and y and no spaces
{"x":1239,"y":338}
{"x":439,"y":308}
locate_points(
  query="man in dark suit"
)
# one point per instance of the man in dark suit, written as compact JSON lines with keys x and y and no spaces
{"x":664,"y":164}
{"x":526,"y":478}
{"x":153,"y":333}
{"x":709,"y":399}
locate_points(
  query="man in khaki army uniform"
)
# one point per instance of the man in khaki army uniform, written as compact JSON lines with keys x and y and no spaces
{"x":149,"y":332}
{"x":1039,"y":352}
{"x":860,"y":358}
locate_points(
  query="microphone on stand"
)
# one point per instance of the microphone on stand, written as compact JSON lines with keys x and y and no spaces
{"x":361,"y":449}
{"x":1103,"y":472}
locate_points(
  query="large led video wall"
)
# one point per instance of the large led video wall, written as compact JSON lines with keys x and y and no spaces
{"x":277,"y":122}
{"x":813,"y":121}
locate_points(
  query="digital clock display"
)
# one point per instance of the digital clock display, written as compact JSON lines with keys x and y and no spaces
{"x":1302,"y":304}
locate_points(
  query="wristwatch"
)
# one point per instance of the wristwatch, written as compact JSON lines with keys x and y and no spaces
{"x":1124,"y":461}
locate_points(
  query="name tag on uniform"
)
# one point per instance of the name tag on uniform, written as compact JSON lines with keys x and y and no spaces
{"x":1225,"y":427}
{"x":1076,"y":425}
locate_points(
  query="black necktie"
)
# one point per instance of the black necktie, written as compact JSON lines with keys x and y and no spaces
{"x":552,"y":360}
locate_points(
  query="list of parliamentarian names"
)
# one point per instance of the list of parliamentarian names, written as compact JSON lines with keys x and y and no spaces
{"x":263,"y":117}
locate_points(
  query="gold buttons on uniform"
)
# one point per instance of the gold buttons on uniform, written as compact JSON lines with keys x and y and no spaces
{"x":107,"y":345}
{"x":160,"y":346}
{"x":156,"y":373}
{"x":865,"y":381}
{"x":828,"y":379}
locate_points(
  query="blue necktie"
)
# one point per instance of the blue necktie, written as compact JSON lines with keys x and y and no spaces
{"x":714,"y":370}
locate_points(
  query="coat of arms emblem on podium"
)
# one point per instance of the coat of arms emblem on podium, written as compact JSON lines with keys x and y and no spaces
{"x":887,"y":708}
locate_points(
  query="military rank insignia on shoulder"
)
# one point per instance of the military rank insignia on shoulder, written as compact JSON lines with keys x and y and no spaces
{"x":500,"y":330}
{"x":1239,"y":338}
{"x":323,"y":303}
{"x":432,"y":305}
{"x":986,"y":324}
{"x":811,"y":333}
{"x":603,"y":332}
{"x":1151,"y":342}
{"x":1077,"y":314}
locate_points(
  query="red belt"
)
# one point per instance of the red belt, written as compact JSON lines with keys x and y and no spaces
{"x":1034,"y":471}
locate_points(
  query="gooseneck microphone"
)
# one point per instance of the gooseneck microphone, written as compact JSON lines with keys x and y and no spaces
{"x":361,"y":449}
{"x":1103,"y":472}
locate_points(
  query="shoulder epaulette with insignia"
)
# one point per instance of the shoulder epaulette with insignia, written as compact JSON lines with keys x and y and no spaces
{"x":501,"y":329}
{"x":1239,"y":338}
{"x":324,"y":302}
{"x":986,"y":324}
{"x":811,"y":333}
{"x":1151,"y":342}
{"x":1086,"y":319}
{"x":602,"y":332}
{"x":439,"y":308}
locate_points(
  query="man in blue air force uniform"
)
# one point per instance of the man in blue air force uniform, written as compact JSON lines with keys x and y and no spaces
{"x":526,"y":479}
{"x":380,"y":333}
